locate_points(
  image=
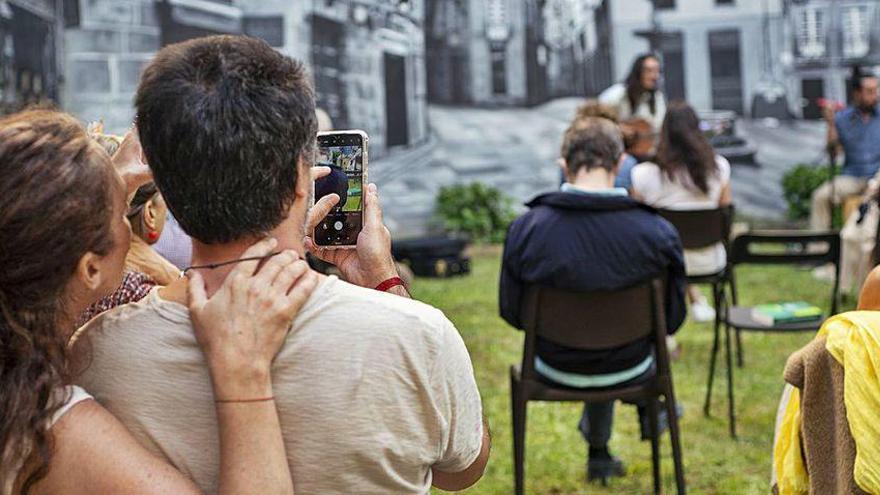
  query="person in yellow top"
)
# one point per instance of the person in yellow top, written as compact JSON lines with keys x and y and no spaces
{"x":827,"y":437}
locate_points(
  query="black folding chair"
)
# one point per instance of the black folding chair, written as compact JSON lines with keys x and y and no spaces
{"x":591,"y":321}
{"x":791,"y":248}
{"x":700,"y":229}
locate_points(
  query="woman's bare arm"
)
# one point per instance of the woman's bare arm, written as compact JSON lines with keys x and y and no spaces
{"x":95,"y":453}
{"x":240,"y":329}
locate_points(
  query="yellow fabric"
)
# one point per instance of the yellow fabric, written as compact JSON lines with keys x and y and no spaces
{"x":853,"y":339}
{"x":788,"y":460}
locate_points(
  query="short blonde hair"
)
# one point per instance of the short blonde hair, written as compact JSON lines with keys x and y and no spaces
{"x":109,"y":142}
{"x":593,"y":108}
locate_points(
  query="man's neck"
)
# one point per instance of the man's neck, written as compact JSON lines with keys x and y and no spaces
{"x":207,"y":254}
{"x":596,"y":179}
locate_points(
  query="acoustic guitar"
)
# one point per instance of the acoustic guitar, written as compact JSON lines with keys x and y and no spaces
{"x":639,"y":138}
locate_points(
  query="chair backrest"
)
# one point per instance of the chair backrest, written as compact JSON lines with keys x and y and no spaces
{"x":789,"y":248}
{"x":594,"y":320}
{"x":701,"y":228}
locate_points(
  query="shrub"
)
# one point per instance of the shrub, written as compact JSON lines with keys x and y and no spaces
{"x":476,"y":210}
{"x":798,"y":185}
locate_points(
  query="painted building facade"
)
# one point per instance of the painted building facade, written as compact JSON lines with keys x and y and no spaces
{"x":717,"y":54}
{"x":367,"y":57}
{"x":513,"y":52}
{"x":823,"y":40}
{"x":29,"y":53}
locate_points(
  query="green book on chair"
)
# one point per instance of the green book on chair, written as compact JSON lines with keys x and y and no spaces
{"x":782,"y":313}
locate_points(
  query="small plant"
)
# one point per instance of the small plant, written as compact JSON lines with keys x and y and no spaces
{"x":476,"y":210}
{"x":798,"y":185}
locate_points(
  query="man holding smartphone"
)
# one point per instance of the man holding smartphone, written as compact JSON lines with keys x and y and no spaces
{"x":375,"y":392}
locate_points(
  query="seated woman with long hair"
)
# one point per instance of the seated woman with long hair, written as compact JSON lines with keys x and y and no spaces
{"x":687,"y":175}
{"x":64,"y":236}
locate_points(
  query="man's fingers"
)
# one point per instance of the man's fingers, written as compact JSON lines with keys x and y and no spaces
{"x":258,"y":250}
{"x":372,"y":207}
{"x":196,"y":289}
{"x":323,"y":254}
{"x":320,"y":210}
{"x":319,"y":171}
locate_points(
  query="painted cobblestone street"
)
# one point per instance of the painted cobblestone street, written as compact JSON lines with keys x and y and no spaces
{"x":515,"y":149}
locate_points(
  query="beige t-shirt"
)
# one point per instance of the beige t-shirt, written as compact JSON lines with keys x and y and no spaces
{"x":372,"y":390}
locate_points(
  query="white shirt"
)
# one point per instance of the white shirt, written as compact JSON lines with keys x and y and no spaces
{"x":617,"y":98}
{"x":659,"y":191}
{"x":372,"y":390}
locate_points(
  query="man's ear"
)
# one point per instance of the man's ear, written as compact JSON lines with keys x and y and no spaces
{"x":303,"y":186}
{"x":88,"y":271}
{"x":564,"y":167}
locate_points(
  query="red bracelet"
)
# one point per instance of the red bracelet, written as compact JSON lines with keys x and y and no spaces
{"x":388,"y":284}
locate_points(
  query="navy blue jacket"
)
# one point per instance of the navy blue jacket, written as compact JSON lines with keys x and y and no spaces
{"x":584,"y":242}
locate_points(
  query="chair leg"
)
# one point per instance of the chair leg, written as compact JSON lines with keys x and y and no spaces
{"x":712,"y":360}
{"x":653,"y":411}
{"x":519,"y":406}
{"x":731,"y":409}
{"x":739,"y":349}
{"x":674,"y":436}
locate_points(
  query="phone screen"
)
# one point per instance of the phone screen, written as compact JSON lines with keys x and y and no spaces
{"x":344,"y":154}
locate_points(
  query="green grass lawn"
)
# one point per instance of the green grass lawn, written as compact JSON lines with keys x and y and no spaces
{"x":555,"y":452}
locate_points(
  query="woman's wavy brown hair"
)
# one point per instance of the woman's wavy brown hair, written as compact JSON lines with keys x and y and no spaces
{"x":55,"y":206}
{"x":684,"y":148}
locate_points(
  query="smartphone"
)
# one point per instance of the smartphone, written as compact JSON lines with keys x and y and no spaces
{"x":345,"y":152}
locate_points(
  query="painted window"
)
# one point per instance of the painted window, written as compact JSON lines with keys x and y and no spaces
{"x":854,"y":24}
{"x":810,"y":27}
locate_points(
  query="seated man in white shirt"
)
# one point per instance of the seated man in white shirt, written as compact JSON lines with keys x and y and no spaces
{"x":375,"y":392}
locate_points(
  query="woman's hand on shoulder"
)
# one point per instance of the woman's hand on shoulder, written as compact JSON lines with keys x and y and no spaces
{"x":243,"y":325}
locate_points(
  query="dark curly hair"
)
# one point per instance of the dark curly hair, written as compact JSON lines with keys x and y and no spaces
{"x":55,"y":206}
{"x":683,"y":147}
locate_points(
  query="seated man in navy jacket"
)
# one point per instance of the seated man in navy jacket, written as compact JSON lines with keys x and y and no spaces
{"x":592,"y":236}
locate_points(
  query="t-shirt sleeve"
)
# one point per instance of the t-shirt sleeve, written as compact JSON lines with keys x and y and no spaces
{"x":723,"y":169}
{"x":646,"y":181}
{"x":458,"y":400}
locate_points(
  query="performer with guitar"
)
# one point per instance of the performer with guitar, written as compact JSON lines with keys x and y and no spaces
{"x":640,"y":105}
{"x":854,"y":130}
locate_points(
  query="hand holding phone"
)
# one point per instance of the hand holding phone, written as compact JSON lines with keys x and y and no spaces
{"x":370,"y":263}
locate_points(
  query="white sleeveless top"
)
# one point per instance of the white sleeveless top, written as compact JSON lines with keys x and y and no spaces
{"x":74,"y":395}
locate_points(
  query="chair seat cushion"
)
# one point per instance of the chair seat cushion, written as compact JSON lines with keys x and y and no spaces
{"x":740,"y":317}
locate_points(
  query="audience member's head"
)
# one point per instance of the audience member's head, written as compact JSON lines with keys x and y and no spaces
{"x":591,"y":143}
{"x":228,"y":127}
{"x":64,"y":237}
{"x":593,"y":108}
{"x":869,"y":297}
{"x":864,"y":89}
{"x":684,"y":153}
{"x":643,"y":77}
{"x":147,"y":213}
{"x":109,"y":142}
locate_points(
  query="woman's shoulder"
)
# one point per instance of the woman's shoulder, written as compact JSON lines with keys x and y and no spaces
{"x":723,"y":166}
{"x":645,"y":171}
